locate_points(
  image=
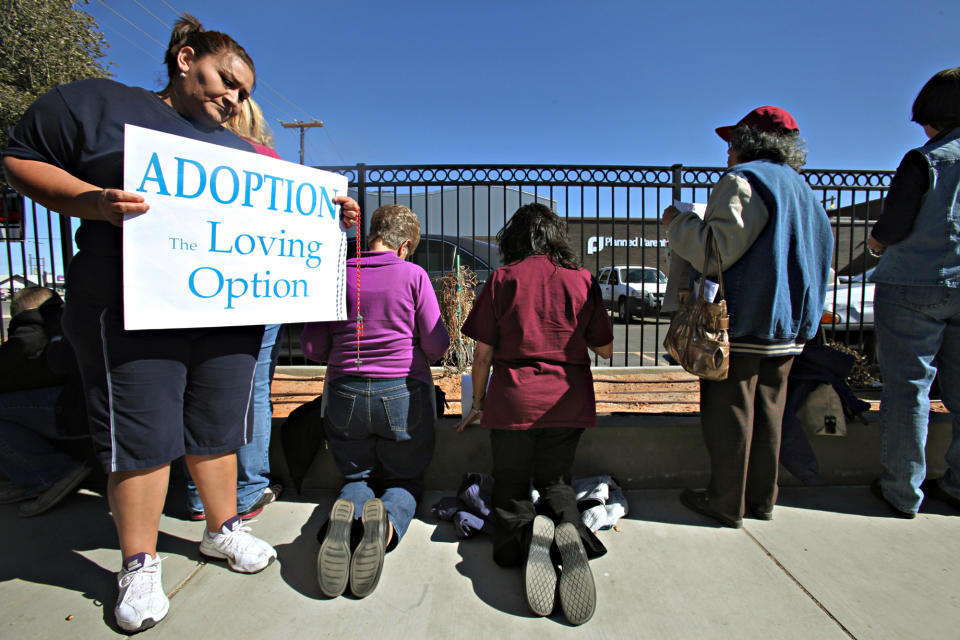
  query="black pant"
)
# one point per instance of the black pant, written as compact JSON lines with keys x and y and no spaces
{"x":546,"y":456}
{"x":742,"y":419}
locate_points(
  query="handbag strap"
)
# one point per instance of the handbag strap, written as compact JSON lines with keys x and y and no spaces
{"x":706,"y":255}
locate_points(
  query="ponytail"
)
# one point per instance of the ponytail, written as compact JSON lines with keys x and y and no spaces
{"x":188,"y":32}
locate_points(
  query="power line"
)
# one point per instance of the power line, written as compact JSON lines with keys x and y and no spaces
{"x":267,"y":85}
{"x":332,"y":144}
{"x":130,"y":23}
{"x":263,"y":82}
{"x":152,"y":14}
{"x":273,"y":104}
{"x":132,"y":42}
{"x":177,"y":13}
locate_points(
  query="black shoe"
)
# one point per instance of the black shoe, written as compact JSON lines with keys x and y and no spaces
{"x":931,"y":488}
{"x":698,"y":501}
{"x":757,"y":514}
{"x":578,"y":593}
{"x":539,"y":574}
{"x":333,"y":561}
{"x":269,"y":496}
{"x":56,"y":492}
{"x":367,"y":562}
{"x":877,"y":491}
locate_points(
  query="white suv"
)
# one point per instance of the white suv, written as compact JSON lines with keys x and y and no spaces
{"x":632,"y":291}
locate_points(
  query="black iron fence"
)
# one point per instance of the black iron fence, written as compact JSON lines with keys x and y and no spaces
{"x":612,"y":215}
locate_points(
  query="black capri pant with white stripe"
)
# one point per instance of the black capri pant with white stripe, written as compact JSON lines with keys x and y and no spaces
{"x":155,"y":395}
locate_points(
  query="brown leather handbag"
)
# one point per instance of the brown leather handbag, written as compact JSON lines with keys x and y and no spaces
{"x":697,"y":338}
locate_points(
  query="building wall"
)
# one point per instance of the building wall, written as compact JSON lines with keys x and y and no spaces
{"x":465,"y":211}
{"x":604,"y":241}
{"x":600,"y":242}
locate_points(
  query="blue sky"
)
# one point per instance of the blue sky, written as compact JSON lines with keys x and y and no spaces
{"x":559,"y":82}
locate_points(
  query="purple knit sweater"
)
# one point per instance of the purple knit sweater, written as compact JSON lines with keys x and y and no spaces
{"x":399,"y":310}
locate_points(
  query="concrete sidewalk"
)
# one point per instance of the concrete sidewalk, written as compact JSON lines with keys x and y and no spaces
{"x":832,"y":564}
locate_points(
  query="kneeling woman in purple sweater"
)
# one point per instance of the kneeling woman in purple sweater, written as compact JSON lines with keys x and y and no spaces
{"x":379,"y":414}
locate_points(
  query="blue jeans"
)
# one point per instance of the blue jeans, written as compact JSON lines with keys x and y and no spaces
{"x":381,"y":435}
{"x":918,"y":334}
{"x":28,"y":424}
{"x":253,"y":458}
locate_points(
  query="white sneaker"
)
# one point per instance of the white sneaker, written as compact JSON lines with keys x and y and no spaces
{"x":242,"y":551}
{"x":141,"y":602}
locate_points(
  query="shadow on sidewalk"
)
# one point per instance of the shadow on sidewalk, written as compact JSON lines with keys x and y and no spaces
{"x":852,"y":500}
{"x":495,"y":586}
{"x":49,"y":550}
{"x":664,"y":506}
{"x":298,"y":559}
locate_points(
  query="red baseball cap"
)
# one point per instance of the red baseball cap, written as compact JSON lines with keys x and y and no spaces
{"x":770,"y":119}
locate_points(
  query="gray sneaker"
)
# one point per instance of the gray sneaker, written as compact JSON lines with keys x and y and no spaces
{"x":578,"y":593}
{"x":539,"y":574}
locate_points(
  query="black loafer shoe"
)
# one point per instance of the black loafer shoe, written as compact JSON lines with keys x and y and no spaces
{"x":931,"y":488}
{"x":877,"y":491}
{"x":367,"y":561}
{"x":698,"y":501}
{"x":59,"y":490}
{"x":757,"y":514}
{"x":539,"y":574}
{"x":333,"y":561}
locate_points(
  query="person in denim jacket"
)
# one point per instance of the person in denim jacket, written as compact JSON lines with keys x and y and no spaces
{"x":917,"y":301}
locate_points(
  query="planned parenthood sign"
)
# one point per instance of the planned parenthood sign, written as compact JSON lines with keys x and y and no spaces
{"x":231,"y":237}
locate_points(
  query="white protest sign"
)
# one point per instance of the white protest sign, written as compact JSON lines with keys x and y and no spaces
{"x":231,"y":238}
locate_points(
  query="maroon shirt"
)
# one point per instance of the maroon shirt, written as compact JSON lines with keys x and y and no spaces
{"x":539,"y":319}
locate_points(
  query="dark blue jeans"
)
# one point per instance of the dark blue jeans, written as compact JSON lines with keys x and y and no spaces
{"x":28,"y":426}
{"x":381,"y":435}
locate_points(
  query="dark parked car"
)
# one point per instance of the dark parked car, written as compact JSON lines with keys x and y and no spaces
{"x":438,"y":256}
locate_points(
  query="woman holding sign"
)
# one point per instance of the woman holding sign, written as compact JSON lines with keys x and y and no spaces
{"x":152,"y":396}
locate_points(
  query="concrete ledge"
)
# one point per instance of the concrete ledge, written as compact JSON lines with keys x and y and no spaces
{"x":642,"y":451}
{"x":307,"y":371}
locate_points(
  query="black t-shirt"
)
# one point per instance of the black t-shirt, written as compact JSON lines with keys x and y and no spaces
{"x":78,"y":127}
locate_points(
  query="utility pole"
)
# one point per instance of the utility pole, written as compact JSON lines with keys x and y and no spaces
{"x":302,"y":126}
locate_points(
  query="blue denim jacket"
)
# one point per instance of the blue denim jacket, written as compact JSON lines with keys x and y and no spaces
{"x":930,"y":255}
{"x":775,"y":292}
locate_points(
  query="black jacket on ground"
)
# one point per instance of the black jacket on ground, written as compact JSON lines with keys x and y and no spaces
{"x":36,"y":355}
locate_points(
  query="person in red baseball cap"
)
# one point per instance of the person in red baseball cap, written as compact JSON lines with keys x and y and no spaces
{"x":775,"y":246}
{"x":769,"y":118}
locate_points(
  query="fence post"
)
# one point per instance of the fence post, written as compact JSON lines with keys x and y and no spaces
{"x":677,"y":169}
{"x":362,"y":201}
{"x":66,"y":241}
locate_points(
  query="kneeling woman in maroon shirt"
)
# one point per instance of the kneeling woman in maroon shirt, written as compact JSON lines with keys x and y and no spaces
{"x":534,"y":321}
